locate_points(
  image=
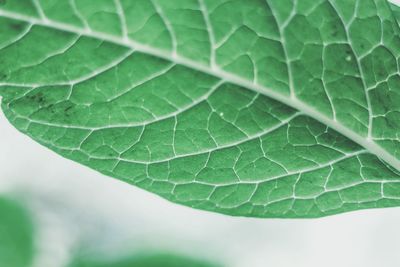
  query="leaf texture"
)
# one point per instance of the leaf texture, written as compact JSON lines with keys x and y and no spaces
{"x":264,"y":108}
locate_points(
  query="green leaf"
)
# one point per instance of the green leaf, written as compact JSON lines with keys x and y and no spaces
{"x":396,"y":11}
{"x":264,"y":108}
{"x":145,"y":260}
{"x":16,"y":235}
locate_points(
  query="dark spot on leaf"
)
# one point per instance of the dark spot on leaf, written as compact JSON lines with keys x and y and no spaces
{"x":16,"y":26}
{"x":51,"y":109}
{"x":3,"y":2}
{"x":3,"y":76}
{"x":38,"y":98}
{"x":67,"y":109}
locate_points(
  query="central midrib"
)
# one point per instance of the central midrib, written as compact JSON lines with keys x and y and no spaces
{"x":293,"y":102}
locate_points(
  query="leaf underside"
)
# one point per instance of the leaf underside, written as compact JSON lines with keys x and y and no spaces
{"x":262,"y":108}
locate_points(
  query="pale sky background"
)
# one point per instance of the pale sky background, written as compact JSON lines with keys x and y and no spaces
{"x":75,"y":206}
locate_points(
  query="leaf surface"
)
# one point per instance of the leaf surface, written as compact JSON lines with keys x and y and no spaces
{"x":260,"y":108}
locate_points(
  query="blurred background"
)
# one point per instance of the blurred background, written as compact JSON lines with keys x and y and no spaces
{"x":76,"y":210}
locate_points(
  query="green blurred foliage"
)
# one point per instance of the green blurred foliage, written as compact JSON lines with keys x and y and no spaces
{"x":16,"y":235}
{"x":145,"y":260}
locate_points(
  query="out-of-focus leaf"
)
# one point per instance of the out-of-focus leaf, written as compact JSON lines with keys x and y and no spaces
{"x":148,"y":260}
{"x":16,"y":235}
